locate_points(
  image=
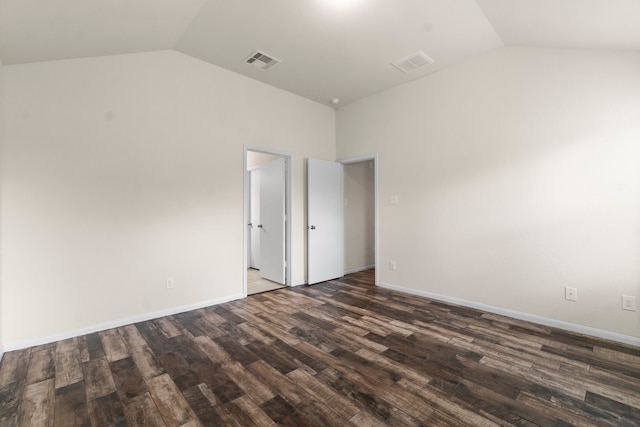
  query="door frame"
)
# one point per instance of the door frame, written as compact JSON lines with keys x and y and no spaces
{"x":287,"y":210}
{"x":371,"y":157}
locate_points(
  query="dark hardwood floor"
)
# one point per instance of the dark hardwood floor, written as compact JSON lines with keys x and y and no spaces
{"x":335,"y":354}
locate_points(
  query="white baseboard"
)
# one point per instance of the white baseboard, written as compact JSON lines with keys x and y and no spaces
{"x":117,"y":323}
{"x":355,"y":270}
{"x":1,"y":353}
{"x":572,"y":327}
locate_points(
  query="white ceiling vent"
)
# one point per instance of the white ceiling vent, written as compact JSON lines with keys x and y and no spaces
{"x":412,"y":62}
{"x":261,"y":60}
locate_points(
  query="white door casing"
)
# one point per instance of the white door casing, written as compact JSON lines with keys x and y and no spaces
{"x":325,"y":221}
{"x":272,"y":220}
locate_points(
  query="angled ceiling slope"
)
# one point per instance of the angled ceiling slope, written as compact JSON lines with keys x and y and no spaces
{"x":36,"y":30}
{"x":583,"y":24}
{"x":327,"y":49}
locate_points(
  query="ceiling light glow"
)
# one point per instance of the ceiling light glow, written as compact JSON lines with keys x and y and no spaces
{"x":342,"y":4}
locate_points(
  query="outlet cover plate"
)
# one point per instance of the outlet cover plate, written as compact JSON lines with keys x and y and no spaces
{"x":570,"y":293}
{"x":629,"y":302}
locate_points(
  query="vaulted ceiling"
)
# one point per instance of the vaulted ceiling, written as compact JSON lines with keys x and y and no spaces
{"x":328,"y":48}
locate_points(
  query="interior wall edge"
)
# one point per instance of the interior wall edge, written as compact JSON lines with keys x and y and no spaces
{"x":1,"y":150}
{"x":567,"y":326}
{"x":115,"y":324}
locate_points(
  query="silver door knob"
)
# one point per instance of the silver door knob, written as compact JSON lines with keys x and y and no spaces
{"x":313,"y":227}
{"x":259,"y":225}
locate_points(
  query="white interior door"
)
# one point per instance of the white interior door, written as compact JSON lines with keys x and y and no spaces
{"x":325,"y":221}
{"x":272,"y":220}
{"x":254,"y":219}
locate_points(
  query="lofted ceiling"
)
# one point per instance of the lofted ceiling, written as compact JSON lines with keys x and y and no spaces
{"x":328,"y":48}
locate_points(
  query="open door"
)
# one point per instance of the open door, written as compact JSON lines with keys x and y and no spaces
{"x":272,"y":220}
{"x":254,"y":219}
{"x":325,"y":221}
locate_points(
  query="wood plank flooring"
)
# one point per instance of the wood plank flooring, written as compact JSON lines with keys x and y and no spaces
{"x":340,"y":353}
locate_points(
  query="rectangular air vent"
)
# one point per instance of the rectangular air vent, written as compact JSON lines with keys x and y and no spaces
{"x":412,"y":62}
{"x":261,"y":60}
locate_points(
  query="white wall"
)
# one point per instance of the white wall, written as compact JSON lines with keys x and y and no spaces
{"x":1,"y":147}
{"x":359,"y":215}
{"x":517,"y":174}
{"x":120,"y":171}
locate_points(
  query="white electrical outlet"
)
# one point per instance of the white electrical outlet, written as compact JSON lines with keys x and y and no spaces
{"x":570,"y":293}
{"x":393,"y":199}
{"x":171,"y":283}
{"x":629,"y":302}
{"x":392,"y":265}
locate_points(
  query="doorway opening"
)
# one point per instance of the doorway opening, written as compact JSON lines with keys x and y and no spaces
{"x":361,"y":214}
{"x":267,"y":219}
